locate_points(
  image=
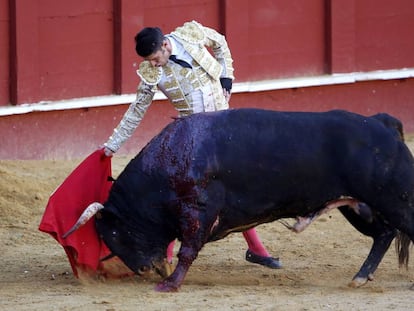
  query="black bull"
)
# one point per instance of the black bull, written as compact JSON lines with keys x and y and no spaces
{"x":211,"y":174}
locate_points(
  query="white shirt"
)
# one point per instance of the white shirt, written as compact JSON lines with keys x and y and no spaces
{"x":199,"y":102}
{"x":178,"y":50}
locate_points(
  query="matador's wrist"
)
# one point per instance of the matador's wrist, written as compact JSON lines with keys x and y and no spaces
{"x":226,"y":83}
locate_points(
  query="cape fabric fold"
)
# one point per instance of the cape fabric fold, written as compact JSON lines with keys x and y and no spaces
{"x":88,"y":183}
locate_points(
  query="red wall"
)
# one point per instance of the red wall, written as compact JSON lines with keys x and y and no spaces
{"x":68,"y":49}
{"x":75,"y":46}
{"x":4,"y":53}
{"x":62,"y":49}
{"x":76,"y":133}
{"x":276,"y":39}
{"x":384,"y":34}
{"x":55,"y":50}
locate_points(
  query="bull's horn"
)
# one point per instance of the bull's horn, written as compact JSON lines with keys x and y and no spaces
{"x":87,"y":214}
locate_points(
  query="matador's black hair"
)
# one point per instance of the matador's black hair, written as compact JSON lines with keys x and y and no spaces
{"x":148,"y":41}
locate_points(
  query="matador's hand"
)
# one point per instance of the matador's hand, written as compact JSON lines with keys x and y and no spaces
{"x":108,"y":152}
{"x":227,"y":95}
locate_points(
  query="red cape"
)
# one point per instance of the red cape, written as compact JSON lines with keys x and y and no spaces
{"x":88,"y":183}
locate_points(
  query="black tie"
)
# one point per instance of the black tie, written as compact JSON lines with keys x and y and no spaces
{"x":180,"y":62}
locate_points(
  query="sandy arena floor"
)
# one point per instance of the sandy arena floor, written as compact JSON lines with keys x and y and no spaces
{"x":318,"y":263}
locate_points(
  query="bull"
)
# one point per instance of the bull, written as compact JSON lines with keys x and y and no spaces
{"x":211,"y":174}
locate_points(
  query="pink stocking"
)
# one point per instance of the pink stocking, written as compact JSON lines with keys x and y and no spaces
{"x":170,"y":251}
{"x":254,"y":243}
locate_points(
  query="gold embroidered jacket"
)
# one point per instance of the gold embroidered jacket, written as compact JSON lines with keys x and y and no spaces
{"x":176,"y":82}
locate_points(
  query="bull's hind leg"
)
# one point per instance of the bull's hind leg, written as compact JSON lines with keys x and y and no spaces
{"x":382,"y":236}
{"x":379,"y":248}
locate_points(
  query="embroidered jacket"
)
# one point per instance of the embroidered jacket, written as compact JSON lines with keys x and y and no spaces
{"x":177,"y":82}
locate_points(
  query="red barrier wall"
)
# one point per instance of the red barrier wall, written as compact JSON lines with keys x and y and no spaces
{"x":69,"y":49}
{"x":4,"y":53}
{"x":77,"y":132}
{"x":55,"y":50}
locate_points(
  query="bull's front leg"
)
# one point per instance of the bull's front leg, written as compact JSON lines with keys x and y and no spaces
{"x":186,"y":256}
{"x":193,"y":239}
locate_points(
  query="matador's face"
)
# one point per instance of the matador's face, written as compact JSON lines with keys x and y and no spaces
{"x":160,"y":57}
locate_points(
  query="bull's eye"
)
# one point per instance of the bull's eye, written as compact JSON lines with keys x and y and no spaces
{"x":143,"y":270}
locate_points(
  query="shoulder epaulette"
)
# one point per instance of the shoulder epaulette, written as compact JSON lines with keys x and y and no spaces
{"x":190,"y":32}
{"x":149,"y":74}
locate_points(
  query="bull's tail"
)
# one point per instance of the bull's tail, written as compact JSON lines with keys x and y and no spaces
{"x":402,"y":247}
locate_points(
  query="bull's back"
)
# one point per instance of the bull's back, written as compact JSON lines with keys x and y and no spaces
{"x":261,"y":150}
{"x":250,"y":138}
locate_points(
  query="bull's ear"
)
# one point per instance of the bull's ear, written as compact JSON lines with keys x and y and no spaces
{"x":111,"y":255}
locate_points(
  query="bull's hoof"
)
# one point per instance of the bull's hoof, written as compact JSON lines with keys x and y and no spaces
{"x":269,"y":262}
{"x":166,"y":287}
{"x":359,"y":281}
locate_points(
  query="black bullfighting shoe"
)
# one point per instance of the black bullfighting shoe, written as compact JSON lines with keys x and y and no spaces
{"x":269,"y":262}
